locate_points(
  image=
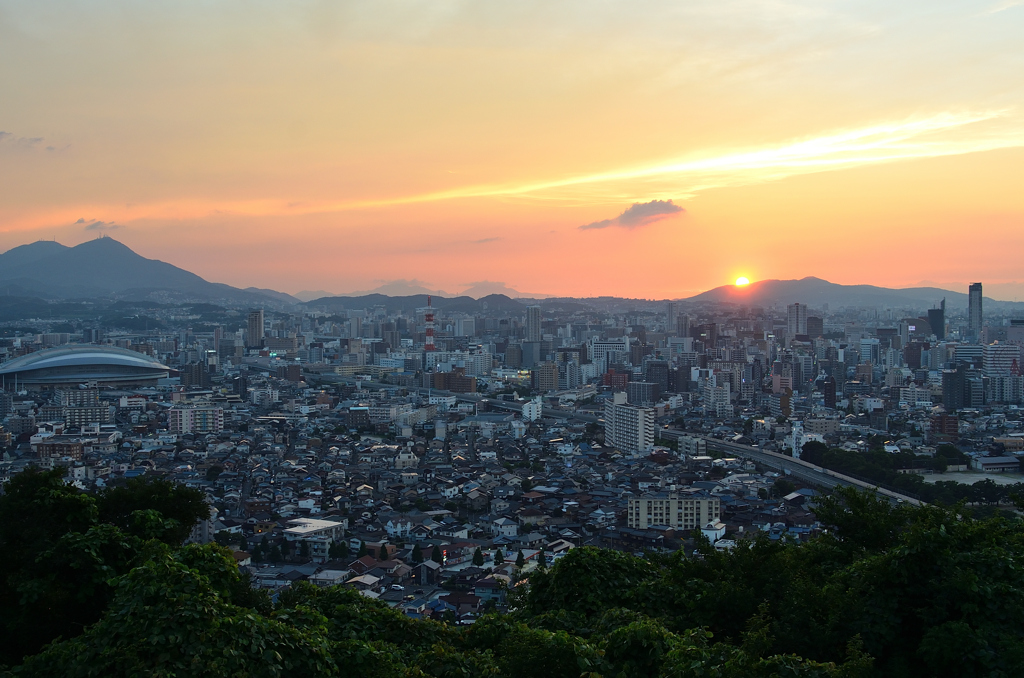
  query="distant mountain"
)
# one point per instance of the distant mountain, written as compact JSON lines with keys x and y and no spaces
{"x":310,"y":295}
{"x":816,"y":292}
{"x":397,"y":288}
{"x":408,"y":304}
{"x":486,"y":288}
{"x":107,"y":268}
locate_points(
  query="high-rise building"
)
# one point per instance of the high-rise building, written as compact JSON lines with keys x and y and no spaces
{"x":533,"y":332}
{"x":797,"y":319}
{"x":254,"y":338}
{"x":815,"y":327}
{"x":627,"y":427}
{"x":828,"y":388}
{"x":999,"y":359}
{"x":974,"y":311}
{"x":937,"y":319}
{"x":544,"y":376}
{"x":670,"y":317}
{"x":682,"y":326}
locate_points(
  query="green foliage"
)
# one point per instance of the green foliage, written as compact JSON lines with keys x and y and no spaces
{"x":887,"y":590}
{"x":478,"y":557}
{"x":174,"y":502}
{"x":589,"y":580}
{"x":338,"y":549}
{"x":417,"y":554}
{"x":436,"y":554}
{"x":169,"y":617}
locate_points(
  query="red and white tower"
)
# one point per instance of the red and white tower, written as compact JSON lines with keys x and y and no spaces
{"x":428,"y":342}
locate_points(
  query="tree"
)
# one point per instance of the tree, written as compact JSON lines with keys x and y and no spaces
{"x":175,"y":502}
{"x":436,"y":555}
{"x":499,"y":556}
{"x":213,"y":473}
{"x":338,"y":549}
{"x":520,"y":560}
{"x":304,"y":550}
{"x":417,"y":554}
{"x":363,"y":551}
{"x":274,"y":555}
{"x":382,"y":552}
{"x":478,"y":557}
{"x":257,"y":554}
{"x":782,"y":487}
{"x":542,"y":559}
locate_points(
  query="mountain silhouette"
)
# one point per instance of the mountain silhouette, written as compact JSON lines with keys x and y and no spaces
{"x":105,"y":267}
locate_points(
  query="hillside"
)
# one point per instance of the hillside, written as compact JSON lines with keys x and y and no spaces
{"x":408,"y":304}
{"x":107,"y":268}
{"x":817,"y":292}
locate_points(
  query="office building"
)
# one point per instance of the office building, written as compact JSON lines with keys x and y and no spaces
{"x":533,"y":330}
{"x":545,"y":376}
{"x":1000,"y":359}
{"x":815,"y":327}
{"x":937,"y":320}
{"x":974,"y":313}
{"x":797,"y":320}
{"x":254,"y":335}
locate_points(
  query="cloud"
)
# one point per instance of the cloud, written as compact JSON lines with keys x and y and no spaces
{"x":482,"y":241}
{"x":11,"y":140}
{"x":1003,"y":6}
{"x":638,"y":214}
{"x":98,"y":225}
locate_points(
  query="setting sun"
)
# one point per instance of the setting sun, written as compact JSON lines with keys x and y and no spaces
{"x":740,"y":282}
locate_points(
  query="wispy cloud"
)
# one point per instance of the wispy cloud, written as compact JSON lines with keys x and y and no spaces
{"x":483,"y":241}
{"x":13,"y":141}
{"x":942,"y":134}
{"x":1002,"y":6}
{"x":938,"y":135}
{"x":638,"y":214}
{"x":95,"y":225}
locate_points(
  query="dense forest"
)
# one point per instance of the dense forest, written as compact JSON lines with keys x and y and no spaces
{"x":98,"y":585}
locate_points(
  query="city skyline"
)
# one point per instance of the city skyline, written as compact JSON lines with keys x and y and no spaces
{"x":321,"y":146}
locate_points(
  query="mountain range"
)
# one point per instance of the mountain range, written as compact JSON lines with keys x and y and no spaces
{"x":816,"y":292}
{"x":106,"y":268}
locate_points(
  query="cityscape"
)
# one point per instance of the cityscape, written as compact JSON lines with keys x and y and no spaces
{"x":458,"y":339}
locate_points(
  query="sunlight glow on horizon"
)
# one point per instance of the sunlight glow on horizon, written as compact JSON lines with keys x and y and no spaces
{"x":335,"y":146}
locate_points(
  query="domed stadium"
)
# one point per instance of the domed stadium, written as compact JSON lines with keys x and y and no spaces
{"x":74,"y":365}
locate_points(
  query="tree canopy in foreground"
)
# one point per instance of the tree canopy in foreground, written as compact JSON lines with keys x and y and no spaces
{"x":887,"y":591}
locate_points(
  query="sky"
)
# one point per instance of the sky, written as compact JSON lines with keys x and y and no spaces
{"x":648,"y":149}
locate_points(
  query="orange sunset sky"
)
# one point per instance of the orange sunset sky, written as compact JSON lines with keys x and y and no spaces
{"x":336,"y":145}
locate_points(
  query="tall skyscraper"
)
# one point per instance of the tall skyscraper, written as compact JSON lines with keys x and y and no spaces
{"x":797,"y":319}
{"x":974,"y":311}
{"x":670,"y":317}
{"x":533,"y":323}
{"x":937,"y":319}
{"x":255,"y":336}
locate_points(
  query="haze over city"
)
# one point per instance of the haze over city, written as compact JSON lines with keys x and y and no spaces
{"x":648,"y":149}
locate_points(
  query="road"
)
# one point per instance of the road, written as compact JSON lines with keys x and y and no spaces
{"x":797,"y":468}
